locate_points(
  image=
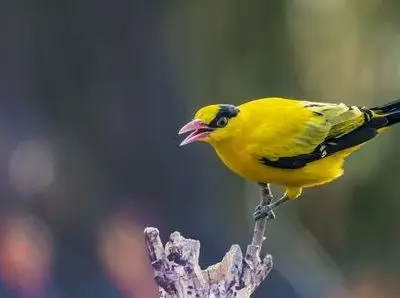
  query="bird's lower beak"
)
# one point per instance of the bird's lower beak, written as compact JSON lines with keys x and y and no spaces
{"x":198,"y":131}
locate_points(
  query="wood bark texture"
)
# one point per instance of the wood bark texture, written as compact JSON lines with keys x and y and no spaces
{"x":178,"y":273}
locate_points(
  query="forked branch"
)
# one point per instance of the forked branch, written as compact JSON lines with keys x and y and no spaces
{"x":178,"y":273}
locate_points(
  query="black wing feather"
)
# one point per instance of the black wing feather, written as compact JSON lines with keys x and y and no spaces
{"x":364,"y":133}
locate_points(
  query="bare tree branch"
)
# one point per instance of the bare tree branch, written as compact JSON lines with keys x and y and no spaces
{"x":178,"y":273}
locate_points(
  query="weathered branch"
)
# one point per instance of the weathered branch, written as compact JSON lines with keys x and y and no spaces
{"x":178,"y":273}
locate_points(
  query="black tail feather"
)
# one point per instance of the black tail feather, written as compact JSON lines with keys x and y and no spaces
{"x":393,"y":118}
{"x":393,"y":106}
{"x":392,"y":111}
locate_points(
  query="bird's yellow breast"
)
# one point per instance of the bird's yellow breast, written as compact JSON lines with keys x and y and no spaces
{"x":315,"y":173}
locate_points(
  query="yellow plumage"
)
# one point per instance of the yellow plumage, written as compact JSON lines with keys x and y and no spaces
{"x":292,"y":143}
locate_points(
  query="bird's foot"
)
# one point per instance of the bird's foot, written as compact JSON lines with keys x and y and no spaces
{"x":263,"y":211}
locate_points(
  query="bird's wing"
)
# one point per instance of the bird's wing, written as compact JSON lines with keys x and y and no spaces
{"x":340,"y":119}
{"x":329,"y":128}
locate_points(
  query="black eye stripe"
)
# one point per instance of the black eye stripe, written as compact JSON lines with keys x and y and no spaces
{"x":225,"y":110}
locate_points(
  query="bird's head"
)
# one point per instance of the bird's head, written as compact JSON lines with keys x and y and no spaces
{"x":211,"y":124}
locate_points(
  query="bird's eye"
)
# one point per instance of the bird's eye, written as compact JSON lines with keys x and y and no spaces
{"x":223,"y":121}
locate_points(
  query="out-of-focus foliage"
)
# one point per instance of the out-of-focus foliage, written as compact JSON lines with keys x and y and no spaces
{"x":92,"y":96}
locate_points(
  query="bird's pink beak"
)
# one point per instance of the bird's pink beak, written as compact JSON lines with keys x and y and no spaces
{"x":199,"y":131}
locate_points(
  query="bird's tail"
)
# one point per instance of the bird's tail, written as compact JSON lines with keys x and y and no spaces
{"x":391,"y":111}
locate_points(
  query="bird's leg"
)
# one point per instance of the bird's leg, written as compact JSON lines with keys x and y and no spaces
{"x":266,"y":199}
{"x":267,"y":210}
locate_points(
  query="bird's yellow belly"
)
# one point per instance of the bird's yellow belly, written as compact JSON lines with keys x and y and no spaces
{"x":315,"y":173}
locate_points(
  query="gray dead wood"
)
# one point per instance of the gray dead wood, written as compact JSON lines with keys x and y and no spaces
{"x":178,"y":273}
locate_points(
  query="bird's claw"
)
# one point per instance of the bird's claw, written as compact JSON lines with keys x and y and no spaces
{"x":263,"y":211}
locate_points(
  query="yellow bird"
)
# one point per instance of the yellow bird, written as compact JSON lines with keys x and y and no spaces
{"x":292,"y":143}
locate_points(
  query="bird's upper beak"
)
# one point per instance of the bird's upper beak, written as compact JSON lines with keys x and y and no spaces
{"x":198,"y":131}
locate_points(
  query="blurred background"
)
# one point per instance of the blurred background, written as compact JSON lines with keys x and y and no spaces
{"x":92,"y":94}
